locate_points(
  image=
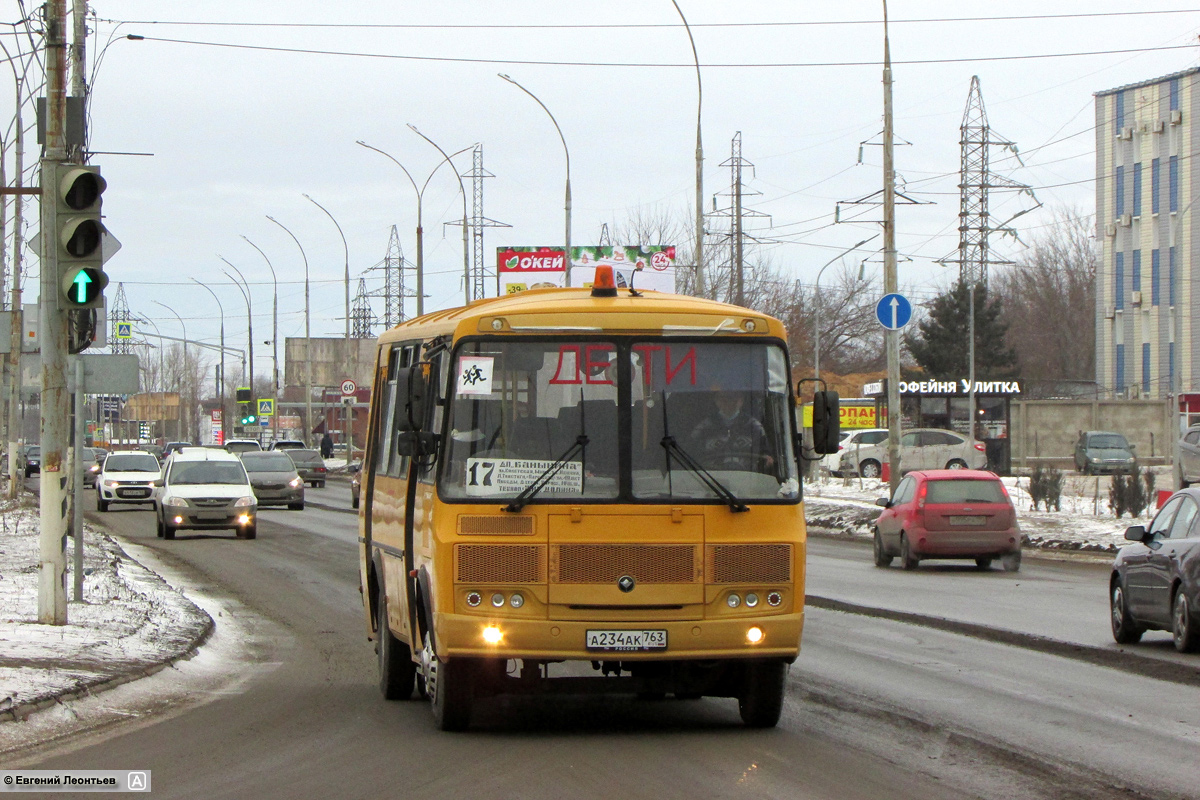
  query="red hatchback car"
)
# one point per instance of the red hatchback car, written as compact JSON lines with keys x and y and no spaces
{"x":948,"y":513}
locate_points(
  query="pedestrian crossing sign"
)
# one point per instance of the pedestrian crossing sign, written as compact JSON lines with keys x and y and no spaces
{"x":124,"y":330}
{"x":266,"y":408}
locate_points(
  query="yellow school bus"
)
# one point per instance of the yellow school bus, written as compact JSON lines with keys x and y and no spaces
{"x":584,"y":490}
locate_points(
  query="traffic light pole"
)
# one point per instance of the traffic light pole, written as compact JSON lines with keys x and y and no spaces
{"x":55,"y":408}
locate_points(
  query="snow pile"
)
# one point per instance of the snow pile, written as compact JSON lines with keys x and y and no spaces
{"x":1085,"y":522}
{"x":129,"y":623}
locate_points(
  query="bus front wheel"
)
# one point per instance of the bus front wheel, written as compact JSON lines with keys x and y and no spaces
{"x":761,"y":699}
{"x":449,"y":687}
{"x":396,"y":667}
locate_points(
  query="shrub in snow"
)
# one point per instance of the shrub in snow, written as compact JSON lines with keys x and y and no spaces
{"x":1045,"y":487}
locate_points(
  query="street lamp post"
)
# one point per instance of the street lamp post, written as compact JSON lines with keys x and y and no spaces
{"x":346,"y":251}
{"x":307,"y":339}
{"x":221,"y":368}
{"x":274,"y":339}
{"x":700,"y":282}
{"x":817,"y":305}
{"x":1176,"y":252}
{"x":161,"y":377}
{"x":420,"y":230}
{"x":184,"y":416}
{"x":466,"y":233}
{"x":567,"y":153}
{"x":244,"y":288}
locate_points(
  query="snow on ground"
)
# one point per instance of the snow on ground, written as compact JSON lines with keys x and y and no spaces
{"x":130,"y":620}
{"x":1085,"y":521}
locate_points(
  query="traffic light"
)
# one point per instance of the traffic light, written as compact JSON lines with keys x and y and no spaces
{"x":78,"y":190}
{"x":249,"y":419}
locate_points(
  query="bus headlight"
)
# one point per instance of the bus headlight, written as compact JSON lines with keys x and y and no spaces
{"x":774,"y":598}
{"x":751,"y":600}
{"x":733,"y":601}
{"x":498,"y":600}
{"x":492,"y":635}
{"x":517,"y":600}
{"x":474,"y":599}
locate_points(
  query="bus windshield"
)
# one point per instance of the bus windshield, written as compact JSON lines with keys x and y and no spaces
{"x":647,"y":420}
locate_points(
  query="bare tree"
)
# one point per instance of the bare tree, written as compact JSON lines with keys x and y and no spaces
{"x":1049,"y":301}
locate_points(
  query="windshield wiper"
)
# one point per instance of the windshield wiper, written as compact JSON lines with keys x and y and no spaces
{"x":670,"y":445}
{"x":539,"y":483}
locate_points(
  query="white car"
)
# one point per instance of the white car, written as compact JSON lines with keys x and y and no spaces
{"x":852,"y":439}
{"x":920,"y":448}
{"x":127,"y":477}
{"x":205,"y":489}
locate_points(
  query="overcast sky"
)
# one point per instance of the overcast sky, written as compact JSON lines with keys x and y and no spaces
{"x":242,"y":108}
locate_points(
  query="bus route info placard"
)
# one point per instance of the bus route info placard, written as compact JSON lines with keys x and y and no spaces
{"x":487,"y":477}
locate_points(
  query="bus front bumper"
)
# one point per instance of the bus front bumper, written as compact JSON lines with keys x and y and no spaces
{"x":566,"y":640}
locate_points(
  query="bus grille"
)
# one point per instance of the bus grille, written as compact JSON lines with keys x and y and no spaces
{"x":607,"y":563}
{"x":749,"y":563}
{"x":516,"y":563}
{"x":506,"y":525}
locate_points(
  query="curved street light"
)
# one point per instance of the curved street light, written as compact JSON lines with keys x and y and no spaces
{"x":162,"y":369}
{"x":420,"y":230}
{"x":221,"y":368}
{"x":346,"y":250}
{"x":244,"y":288}
{"x":184,"y":415}
{"x":700,"y":282}
{"x":567,"y":202}
{"x":274,"y":337}
{"x":466,"y":233}
{"x":817,"y":304}
{"x":307,"y":338}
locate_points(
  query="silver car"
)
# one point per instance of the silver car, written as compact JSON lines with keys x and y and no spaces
{"x":274,"y":479}
{"x":920,"y":448}
{"x":1189,"y":457}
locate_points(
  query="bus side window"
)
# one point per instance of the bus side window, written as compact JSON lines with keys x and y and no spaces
{"x":439,"y":376}
{"x":403,"y":355}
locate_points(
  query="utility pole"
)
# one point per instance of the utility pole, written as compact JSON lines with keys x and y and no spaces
{"x":52,"y":596}
{"x":18,"y":321}
{"x":890,"y":282}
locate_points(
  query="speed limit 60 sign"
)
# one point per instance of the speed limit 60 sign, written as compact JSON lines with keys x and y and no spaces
{"x":349,"y":387}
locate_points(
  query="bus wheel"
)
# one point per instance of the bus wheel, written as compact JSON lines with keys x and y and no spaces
{"x":396,"y":667}
{"x":761,"y":700}
{"x":448,"y":686}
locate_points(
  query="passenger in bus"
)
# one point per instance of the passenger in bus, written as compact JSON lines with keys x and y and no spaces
{"x":730,"y":439}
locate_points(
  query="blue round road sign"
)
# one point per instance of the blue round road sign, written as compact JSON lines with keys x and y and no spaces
{"x":893,"y":311}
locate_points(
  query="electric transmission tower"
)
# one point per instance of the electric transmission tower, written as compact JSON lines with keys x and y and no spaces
{"x":395,"y":286}
{"x":119,"y":314}
{"x":737,"y":213}
{"x":976,"y":180}
{"x":362,"y":320}
{"x":479,"y":269}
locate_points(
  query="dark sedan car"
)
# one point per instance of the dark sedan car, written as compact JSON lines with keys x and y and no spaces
{"x":32,"y":463}
{"x":274,"y":480}
{"x":309,"y":464}
{"x":1155,"y":583}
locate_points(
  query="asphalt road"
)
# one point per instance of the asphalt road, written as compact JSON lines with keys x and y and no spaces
{"x":876,"y":708}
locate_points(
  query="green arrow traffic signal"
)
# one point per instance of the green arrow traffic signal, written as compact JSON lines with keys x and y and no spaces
{"x":81,"y":286}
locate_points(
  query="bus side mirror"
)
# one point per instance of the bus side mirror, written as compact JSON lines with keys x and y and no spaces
{"x":415,"y":444}
{"x":826,"y":423}
{"x":412,"y":395}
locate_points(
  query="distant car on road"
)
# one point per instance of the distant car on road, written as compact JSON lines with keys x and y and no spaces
{"x":920,"y":448}
{"x":274,"y":479}
{"x":32,"y":461}
{"x":310,"y":465}
{"x":236,"y":446}
{"x":957,"y":513}
{"x":127,"y":477}
{"x":203,"y":488}
{"x":853,"y":439}
{"x":175,"y":447}
{"x":1155,"y":582}
{"x":93,"y":462}
{"x":1188,"y":471}
{"x":287,"y":444}
{"x":1103,"y":451}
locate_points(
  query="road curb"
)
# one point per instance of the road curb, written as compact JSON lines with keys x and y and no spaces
{"x":99,"y":684}
{"x":1114,"y":658}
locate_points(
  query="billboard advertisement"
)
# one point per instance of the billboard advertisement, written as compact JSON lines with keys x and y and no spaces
{"x":521,"y":268}
{"x":654,"y":265}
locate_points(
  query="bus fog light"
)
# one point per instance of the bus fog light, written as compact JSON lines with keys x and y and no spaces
{"x":474,"y":599}
{"x":733,"y":601}
{"x":751,"y":599}
{"x":492,"y":635}
{"x":516,"y":601}
{"x":498,"y":600}
{"x":774,"y":598}
{"x":754,"y":635}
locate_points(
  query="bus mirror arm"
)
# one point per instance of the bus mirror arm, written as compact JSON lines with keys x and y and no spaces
{"x":415,"y":444}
